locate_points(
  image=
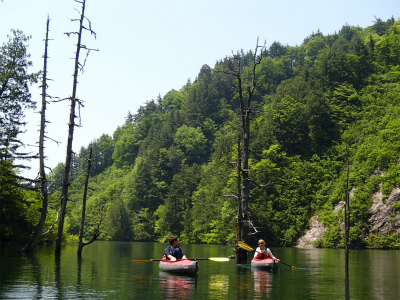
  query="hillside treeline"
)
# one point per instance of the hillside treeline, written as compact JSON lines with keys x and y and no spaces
{"x":169,"y":169}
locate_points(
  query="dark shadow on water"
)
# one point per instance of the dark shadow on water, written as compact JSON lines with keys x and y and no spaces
{"x":245,"y":266}
{"x":36,"y":274}
{"x":79,"y":277}
{"x":57,"y":272}
{"x":346,"y":282}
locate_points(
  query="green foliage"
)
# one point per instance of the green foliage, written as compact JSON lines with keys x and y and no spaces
{"x":16,"y":207}
{"x":314,"y":47}
{"x":55,"y":177}
{"x":384,"y":241}
{"x":126,"y":146}
{"x":315,"y":100}
{"x":381,"y":27}
{"x":271,"y":72}
{"x":102,"y":151}
{"x":14,"y":93}
{"x":192,"y":142}
{"x":175,"y":216}
{"x":168,"y":169}
{"x":13,"y":206}
{"x":118,"y":222}
{"x":396,"y":205}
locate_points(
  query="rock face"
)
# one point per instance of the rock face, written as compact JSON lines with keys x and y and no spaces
{"x":384,"y":219}
{"x":315,"y":232}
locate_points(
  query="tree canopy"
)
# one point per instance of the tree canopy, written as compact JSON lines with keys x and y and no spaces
{"x":167,"y":169}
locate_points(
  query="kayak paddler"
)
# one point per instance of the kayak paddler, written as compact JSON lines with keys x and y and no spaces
{"x":263,"y":252}
{"x":174,"y":252}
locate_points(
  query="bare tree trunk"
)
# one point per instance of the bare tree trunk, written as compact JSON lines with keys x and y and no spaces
{"x":71,"y":125}
{"x":347,"y":214}
{"x":31,"y":244}
{"x":96,"y":234}
{"x":241,"y":254}
{"x":242,"y":200}
{"x":347,"y":230}
{"x":245,"y":111}
{"x":239,"y":216}
{"x":243,"y":195}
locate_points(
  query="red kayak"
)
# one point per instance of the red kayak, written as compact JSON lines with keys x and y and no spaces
{"x":264,"y":263}
{"x":187,"y":266}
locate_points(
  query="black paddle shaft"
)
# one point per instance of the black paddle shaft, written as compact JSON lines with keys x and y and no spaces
{"x":287,"y":264}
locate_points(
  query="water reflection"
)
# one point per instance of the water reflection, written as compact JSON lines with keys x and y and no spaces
{"x":244,"y":284}
{"x":382,"y":272}
{"x":262,"y":283}
{"x":87,"y":274}
{"x":218,"y":286}
{"x":57,"y":276}
{"x":106,"y":272}
{"x":346,"y":282}
{"x":79,"y":278}
{"x":174,"y":286}
{"x":36,"y":270}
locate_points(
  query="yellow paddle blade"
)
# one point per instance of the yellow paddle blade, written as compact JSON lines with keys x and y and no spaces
{"x":244,"y":246}
{"x":218,"y":259}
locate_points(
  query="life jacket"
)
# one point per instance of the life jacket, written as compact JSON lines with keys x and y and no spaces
{"x":176,"y":252}
{"x":263,"y":253}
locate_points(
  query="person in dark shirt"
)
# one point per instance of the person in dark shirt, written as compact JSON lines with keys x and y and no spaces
{"x":174,"y":252}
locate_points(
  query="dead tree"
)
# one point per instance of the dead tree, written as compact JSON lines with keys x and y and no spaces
{"x":243,"y":168}
{"x":71,"y":125}
{"x":38,"y":232}
{"x":96,"y":233}
{"x":241,"y":254}
{"x":347,"y":228}
{"x":347,"y":213}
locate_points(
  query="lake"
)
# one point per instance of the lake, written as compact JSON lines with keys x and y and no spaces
{"x":106,"y":271}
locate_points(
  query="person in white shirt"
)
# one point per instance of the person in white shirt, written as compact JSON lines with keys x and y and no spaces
{"x":263,"y":252}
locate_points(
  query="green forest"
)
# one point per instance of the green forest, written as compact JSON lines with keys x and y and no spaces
{"x":319,"y":107}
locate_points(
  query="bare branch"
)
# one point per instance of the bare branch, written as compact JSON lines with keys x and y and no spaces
{"x":261,"y":185}
{"x":96,"y":234}
{"x":251,"y":225}
{"x":52,"y":225}
{"x":58,"y":143}
{"x":64,"y":99}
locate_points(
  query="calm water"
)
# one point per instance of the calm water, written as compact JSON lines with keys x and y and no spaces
{"x":106,"y":271}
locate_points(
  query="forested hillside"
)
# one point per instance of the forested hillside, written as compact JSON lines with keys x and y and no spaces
{"x":166,"y":170}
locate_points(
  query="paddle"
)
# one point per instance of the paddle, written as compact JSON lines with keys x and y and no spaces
{"x":219,"y":259}
{"x":293,"y":267}
{"x":248,"y":248}
{"x":244,"y":246}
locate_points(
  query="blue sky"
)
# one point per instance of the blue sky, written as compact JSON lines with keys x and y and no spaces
{"x":147,"y":48}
